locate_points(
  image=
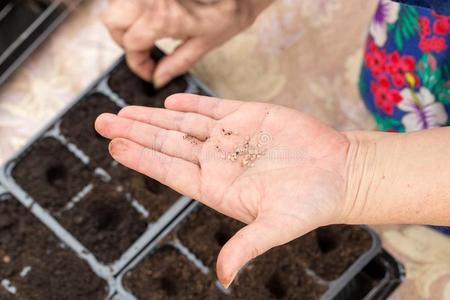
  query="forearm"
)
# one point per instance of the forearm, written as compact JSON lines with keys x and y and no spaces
{"x":398,"y":178}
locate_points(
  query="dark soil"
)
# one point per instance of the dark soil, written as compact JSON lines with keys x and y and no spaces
{"x":278,"y":274}
{"x":167,"y":274}
{"x":136,"y":91}
{"x":105,"y":222}
{"x":154,"y":196}
{"x":329,"y":251}
{"x":50,"y":174}
{"x":205,"y":232}
{"x":78,"y":127}
{"x":56,"y":273}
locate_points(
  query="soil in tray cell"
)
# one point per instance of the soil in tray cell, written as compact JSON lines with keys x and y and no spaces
{"x":277,"y":274}
{"x":329,"y":251}
{"x":35,"y":265}
{"x":205,"y":232}
{"x":78,"y":127}
{"x":155,"y":197}
{"x":105,"y":222}
{"x":51,"y":174}
{"x":136,"y":91}
{"x":168,"y":274}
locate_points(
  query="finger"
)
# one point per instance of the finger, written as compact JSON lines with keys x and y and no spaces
{"x":119,"y":16}
{"x":140,"y":63}
{"x":180,"y":61}
{"x":211,"y":107}
{"x":248,"y":243}
{"x":193,"y":124}
{"x":178,"y":174}
{"x":117,"y":36}
{"x":170,"y":142}
{"x":144,"y":32}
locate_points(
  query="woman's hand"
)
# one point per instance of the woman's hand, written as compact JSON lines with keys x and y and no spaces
{"x":280,"y":171}
{"x":201,"y":24}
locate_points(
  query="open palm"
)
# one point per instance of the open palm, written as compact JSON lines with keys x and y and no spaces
{"x":276,"y":169}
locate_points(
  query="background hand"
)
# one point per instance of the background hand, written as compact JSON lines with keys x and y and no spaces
{"x":201,"y":25}
{"x":281,"y":172}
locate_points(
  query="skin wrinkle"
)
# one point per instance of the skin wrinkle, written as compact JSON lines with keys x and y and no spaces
{"x":160,"y":139}
{"x":371,"y":183}
{"x":351,"y":169}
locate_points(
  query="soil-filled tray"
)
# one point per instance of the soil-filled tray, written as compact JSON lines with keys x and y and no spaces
{"x":308,"y":268}
{"x":24,"y":24}
{"x":35,"y":265}
{"x":111,"y":211}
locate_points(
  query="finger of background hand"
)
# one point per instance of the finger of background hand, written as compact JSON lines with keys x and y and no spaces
{"x":140,"y":63}
{"x":212,"y":107}
{"x":193,"y":124}
{"x":119,"y":16}
{"x":144,"y":32}
{"x":179,"y":174}
{"x":180,"y":61}
{"x":248,"y":243}
{"x":170,"y":142}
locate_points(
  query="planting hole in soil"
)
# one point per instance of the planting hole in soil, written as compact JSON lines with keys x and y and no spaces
{"x":153,"y":186}
{"x":155,"y":197}
{"x":78,"y":127}
{"x":56,"y":175}
{"x":104,"y":222}
{"x":136,"y":91}
{"x":34,"y":263}
{"x":51,"y":180}
{"x":222,"y":235}
{"x":326,"y":240}
{"x":275,"y":286}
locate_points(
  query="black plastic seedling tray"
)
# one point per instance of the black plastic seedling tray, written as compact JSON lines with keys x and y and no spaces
{"x":312,"y":267}
{"x":377,"y":280}
{"x":34,"y":264}
{"x":115,"y":219}
{"x":24,"y":24}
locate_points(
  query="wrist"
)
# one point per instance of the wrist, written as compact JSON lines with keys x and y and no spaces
{"x":366,"y":165}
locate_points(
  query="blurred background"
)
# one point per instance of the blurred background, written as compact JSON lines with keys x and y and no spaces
{"x":305,"y":54}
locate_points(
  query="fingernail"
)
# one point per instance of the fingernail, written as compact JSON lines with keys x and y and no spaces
{"x":161,"y":80}
{"x":229,"y":282}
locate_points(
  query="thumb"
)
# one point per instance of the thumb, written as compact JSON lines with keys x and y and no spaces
{"x":180,"y":61}
{"x":250,"y":242}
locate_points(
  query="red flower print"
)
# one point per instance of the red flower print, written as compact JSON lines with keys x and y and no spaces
{"x":385,"y":97}
{"x":442,"y":26}
{"x":376,"y":61}
{"x":399,"y":66}
{"x":436,"y":44}
{"x":425,"y":28}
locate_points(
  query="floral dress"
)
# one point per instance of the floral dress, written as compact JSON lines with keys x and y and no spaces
{"x":405,"y":78}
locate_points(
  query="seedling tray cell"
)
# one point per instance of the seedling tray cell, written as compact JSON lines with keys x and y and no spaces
{"x":78,"y":127}
{"x":377,"y":280}
{"x":51,"y":180}
{"x":35,"y":265}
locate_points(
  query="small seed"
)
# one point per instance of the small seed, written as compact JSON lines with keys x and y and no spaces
{"x":6,"y":259}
